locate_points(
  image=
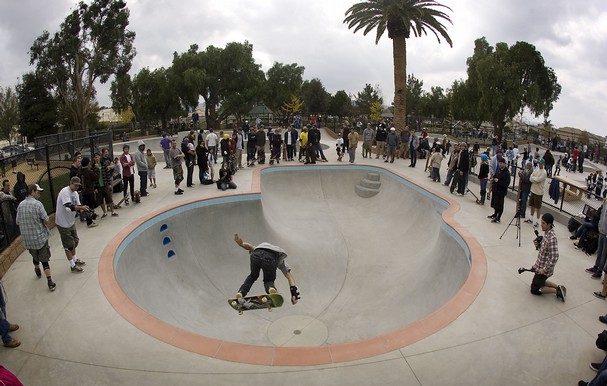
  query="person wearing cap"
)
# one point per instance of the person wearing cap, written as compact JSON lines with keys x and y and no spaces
{"x":391,"y":145}
{"x":538,"y":180}
{"x":128,"y":174}
{"x":33,"y":223}
{"x":500,"y":182}
{"x":483,"y":177}
{"x":547,"y":257}
{"x":142,"y":168}
{"x":68,"y":203}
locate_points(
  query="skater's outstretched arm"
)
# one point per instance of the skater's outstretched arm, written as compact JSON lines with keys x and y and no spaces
{"x":243,"y":244}
{"x":293,"y":287}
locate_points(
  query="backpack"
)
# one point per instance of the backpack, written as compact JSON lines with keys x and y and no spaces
{"x":592,"y":245}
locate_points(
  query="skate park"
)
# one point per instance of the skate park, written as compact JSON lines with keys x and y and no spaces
{"x":95,"y":331}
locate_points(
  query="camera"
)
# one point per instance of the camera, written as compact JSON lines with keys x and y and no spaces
{"x":538,"y":239}
{"x":90,"y":214}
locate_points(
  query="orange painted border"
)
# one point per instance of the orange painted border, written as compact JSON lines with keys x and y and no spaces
{"x":295,"y":356}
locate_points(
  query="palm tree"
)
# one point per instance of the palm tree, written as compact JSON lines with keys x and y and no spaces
{"x":400,"y":18}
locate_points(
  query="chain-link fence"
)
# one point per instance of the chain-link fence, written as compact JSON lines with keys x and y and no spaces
{"x":48,"y":166}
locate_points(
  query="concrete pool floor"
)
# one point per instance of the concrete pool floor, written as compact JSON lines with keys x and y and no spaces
{"x":75,"y":336}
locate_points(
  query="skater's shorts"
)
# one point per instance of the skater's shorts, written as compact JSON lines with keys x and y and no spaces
{"x":538,"y":282}
{"x":535,"y":201}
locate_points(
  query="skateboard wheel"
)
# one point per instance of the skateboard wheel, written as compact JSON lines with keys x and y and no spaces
{"x":233,"y":303}
{"x":264,"y":299}
{"x":270,"y":309}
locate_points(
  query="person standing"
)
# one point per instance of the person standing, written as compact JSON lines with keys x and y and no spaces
{"x":90,"y":180}
{"x":413,"y":145}
{"x":404,"y":143}
{"x":500,"y":182}
{"x":239,"y":142}
{"x":547,"y":257}
{"x":380,"y":141}
{"x":353,"y":144}
{"x":151,"y":160}
{"x":212,"y":141}
{"x":187,"y":148}
{"x":176,"y":156}
{"x":5,"y":326}
{"x":601,"y":253}
{"x":524,"y":176}
{"x":463,"y":168}
{"x":368,"y":135}
{"x":128,"y":174}
{"x":391,"y":145}
{"x":538,"y":180}
{"x":68,"y":203}
{"x":106,"y":166}
{"x":33,"y":223}
{"x":165,"y":144}
{"x":142,"y":168}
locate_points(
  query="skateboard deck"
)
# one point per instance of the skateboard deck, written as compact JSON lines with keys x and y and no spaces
{"x":257,"y":302}
{"x":118,"y":205}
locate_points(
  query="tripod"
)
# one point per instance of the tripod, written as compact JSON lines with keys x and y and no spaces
{"x":517,"y":216}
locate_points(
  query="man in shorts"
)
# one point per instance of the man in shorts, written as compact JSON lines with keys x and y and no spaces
{"x":33,"y":223}
{"x":176,"y":156}
{"x":68,"y":203}
{"x":538,"y":180}
{"x":267,"y":258}
{"x":547,"y":257}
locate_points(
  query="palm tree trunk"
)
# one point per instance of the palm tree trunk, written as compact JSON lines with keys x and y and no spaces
{"x":399,"y":54}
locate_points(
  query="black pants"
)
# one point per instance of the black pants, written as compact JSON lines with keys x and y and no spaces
{"x":128,"y":182}
{"x":497,"y":202}
{"x":261,"y":260}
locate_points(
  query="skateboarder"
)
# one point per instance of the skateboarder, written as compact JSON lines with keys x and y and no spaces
{"x":266,"y":257}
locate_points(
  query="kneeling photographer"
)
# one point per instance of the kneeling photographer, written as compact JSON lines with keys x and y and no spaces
{"x":547,"y":257}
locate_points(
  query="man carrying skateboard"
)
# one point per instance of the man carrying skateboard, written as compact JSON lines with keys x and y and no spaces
{"x":266,"y":257}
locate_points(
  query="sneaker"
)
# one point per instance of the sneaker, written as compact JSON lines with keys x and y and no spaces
{"x":92,"y":225}
{"x":591,"y":270}
{"x":38,"y":272}
{"x":599,"y":295}
{"x":12,"y":344}
{"x":52,"y":286}
{"x":561,"y":292}
{"x":572,"y":237}
{"x":240,"y":299}
{"x":180,"y":190}
{"x":13,"y":327}
{"x":491,"y":216}
{"x":595,"y":366}
{"x":602,"y":319}
{"x":77,"y":269}
{"x":496,"y":220}
{"x":529,"y":221}
{"x":80,"y":262}
{"x":596,"y":275}
{"x":178,"y":193}
{"x":582,"y":383}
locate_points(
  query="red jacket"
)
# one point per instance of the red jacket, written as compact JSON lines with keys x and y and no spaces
{"x":127,"y":170}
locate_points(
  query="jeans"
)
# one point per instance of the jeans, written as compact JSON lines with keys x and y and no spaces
{"x":228,"y":185}
{"x":601,"y":253}
{"x":483,"y":184}
{"x":462,"y":182}
{"x":449,"y":177}
{"x":413,"y":153}
{"x":435,"y":174}
{"x":167,"y":159}
{"x":601,"y":377}
{"x":261,"y":260}
{"x":318,"y":149}
{"x":4,"y":324}
{"x":143,"y":182}
{"x":352,"y":154}
{"x":523,"y":207}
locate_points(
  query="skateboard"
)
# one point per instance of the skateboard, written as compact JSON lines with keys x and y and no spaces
{"x":257,"y":302}
{"x":117,"y":206}
{"x":478,"y":201}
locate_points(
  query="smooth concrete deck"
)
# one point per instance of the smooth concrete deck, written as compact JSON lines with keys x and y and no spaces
{"x":75,"y":336}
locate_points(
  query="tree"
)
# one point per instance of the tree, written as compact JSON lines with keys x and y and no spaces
{"x":340,"y":104}
{"x":510,"y":79}
{"x":315,"y":97}
{"x":414,"y":95}
{"x":92,"y":44}
{"x":37,"y":107}
{"x":9,"y":113}
{"x":224,"y":77}
{"x":377,"y":108}
{"x":366,"y":98}
{"x":282,"y":82}
{"x":400,"y":18}
{"x":293,"y":107}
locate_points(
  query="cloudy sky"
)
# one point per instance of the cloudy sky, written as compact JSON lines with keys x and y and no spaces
{"x":571,"y":35}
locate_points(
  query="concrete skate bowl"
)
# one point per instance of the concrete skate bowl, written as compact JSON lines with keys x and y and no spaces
{"x":375,"y":273}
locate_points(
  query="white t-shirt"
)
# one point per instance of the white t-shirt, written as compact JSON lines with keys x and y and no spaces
{"x":65,"y":217}
{"x":211,"y":139}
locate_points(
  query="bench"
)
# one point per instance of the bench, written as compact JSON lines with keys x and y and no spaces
{"x":32,"y":162}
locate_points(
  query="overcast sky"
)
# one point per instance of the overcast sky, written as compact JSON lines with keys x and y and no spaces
{"x":571,"y":35}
